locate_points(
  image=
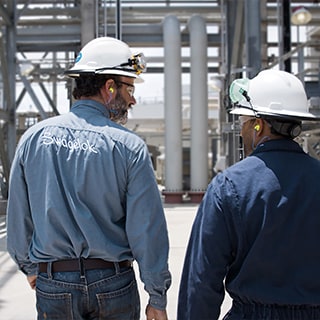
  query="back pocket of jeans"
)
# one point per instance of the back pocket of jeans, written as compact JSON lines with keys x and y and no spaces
{"x":54,"y":305}
{"x":121,"y":304}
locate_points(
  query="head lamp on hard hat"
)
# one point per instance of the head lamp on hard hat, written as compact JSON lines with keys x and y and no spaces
{"x":137,"y":63}
{"x":238,"y":90}
{"x":238,"y":93}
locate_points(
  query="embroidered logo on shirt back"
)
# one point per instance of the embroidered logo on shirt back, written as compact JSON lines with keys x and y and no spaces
{"x":71,"y":144}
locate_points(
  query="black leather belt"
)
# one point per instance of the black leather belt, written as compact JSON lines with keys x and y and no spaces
{"x":77,"y":264}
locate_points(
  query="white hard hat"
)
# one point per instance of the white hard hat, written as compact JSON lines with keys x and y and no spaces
{"x":272,"y":93}
{"x":106,"y":55}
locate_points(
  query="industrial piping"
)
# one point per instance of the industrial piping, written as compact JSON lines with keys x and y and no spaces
{"x":199,"y":108}
{"x":173,"y":110}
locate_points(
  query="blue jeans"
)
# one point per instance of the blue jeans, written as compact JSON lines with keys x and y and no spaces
{"x":256,"y":311}
{"x":101,"y":294}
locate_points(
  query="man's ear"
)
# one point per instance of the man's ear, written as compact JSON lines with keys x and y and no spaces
{"x":109,"y":86}
{"x":107,"y":90}
{"x":259,"y":126}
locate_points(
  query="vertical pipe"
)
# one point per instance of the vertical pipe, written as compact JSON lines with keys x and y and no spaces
{"x":199,"y":104}
{"x":118,"y":20}
{"x":11,"y":83}
{"x":287,"y":33}
{"x":301,"y":63}
{"x":173,"y":113}
{"x":87,"y":21}
{"x":280,"y":32}
{"x":105,"y":26}
{"x":253,"y":37}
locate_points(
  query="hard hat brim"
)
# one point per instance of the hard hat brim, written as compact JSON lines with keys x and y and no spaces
{"x":75,"y":73}
{"x":259,"y":112}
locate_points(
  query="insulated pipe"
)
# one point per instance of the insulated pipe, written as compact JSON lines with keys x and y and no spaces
{"x":253,"y":37}
{"x":172,"y":101}
{"x":87,"y":21}
{"x":199,"y":104}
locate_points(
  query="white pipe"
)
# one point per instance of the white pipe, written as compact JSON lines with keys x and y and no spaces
{"x":199,"y":104}
{"x":172,"y":97}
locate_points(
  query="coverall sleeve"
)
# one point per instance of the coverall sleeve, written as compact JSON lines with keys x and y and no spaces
{"x":147,"y":230}
{"x":207,"y":257}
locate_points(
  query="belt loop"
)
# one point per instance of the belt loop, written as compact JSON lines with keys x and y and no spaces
{"x":81,"y":268}
{"x":117,"y":267}
{"x":49,"y":270}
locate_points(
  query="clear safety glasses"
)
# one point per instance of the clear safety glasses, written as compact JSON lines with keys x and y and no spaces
{"x":130,"y":87}
{"x":244,"y":119}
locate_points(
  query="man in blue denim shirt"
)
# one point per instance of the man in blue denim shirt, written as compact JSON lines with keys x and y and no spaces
{"x":84,"y":203}
{"x":256,"y":233}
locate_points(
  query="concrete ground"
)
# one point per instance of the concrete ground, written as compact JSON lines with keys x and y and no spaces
{"x":17,"y":300}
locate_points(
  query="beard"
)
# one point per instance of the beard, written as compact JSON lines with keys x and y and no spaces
{"x":118,"y":110}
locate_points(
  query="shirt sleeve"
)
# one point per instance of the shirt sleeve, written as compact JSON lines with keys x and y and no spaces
{"x":207,"y":258}
{"x":19,"y":221}
{"x":147,"y":229}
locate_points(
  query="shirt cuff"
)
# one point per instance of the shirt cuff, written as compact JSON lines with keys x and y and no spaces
{"x":29,"y":270}
{"x":158,"y":302}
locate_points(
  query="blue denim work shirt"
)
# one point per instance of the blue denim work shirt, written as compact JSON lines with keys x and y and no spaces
{"x":256,"y":234}
{"x":84,"y":186}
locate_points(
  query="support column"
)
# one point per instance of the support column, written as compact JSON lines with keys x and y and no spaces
{"x":10,"y":78}
{"x":253,"y":37}
{"x":286,"y":4}
{"x":87,"y":21}
{"x":173,"y":115}
{"x":199,"y":108}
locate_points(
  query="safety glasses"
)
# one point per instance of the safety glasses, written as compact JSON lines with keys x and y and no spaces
{"x":243,"y":120}
{"x":130,"y":87}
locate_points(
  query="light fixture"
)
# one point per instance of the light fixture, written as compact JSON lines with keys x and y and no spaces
{"x":300,"y":16}
{"x":216,"y":83}
{"x":26,"y":68}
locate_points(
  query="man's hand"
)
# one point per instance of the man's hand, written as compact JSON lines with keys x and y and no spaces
{"x":32,"y":281}
{"x":155,"y":314}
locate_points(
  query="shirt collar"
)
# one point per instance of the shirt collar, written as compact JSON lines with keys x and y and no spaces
{"x":88,"y":103}
{"x":278,"y":144}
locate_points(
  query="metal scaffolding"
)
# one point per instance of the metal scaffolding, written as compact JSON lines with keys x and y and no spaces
{"x":39,"y":40}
